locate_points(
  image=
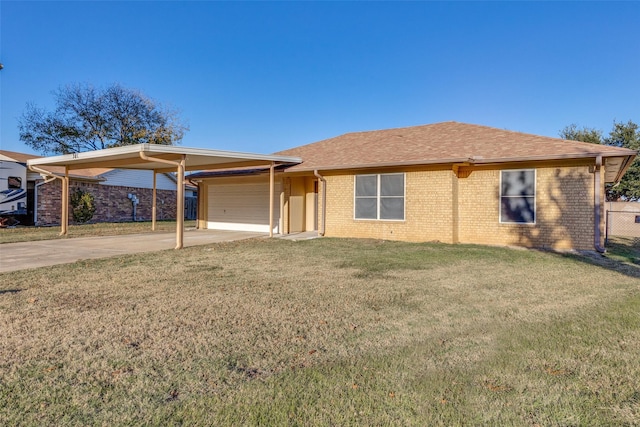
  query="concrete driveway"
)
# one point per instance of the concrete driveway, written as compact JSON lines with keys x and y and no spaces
{"x":19,"y":256}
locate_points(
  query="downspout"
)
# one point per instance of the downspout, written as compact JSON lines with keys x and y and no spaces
{"x":324,"y":202}
{"x":35,"y":197}
{"x":271,"y":196}
{"x":52,"y":177}
{"x":597,"y":208}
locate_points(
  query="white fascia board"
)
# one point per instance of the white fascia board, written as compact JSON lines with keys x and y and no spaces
{"x":63,"y":159}
{"x":127,"y":152}
{"x":236,"y":155}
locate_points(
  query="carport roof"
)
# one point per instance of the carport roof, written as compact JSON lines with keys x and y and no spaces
{"x":131,"y":157}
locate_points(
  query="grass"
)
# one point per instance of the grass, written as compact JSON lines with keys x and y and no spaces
{"x":322,"y":332}
{"x":624,"y":249}
{"x":29,"y":234}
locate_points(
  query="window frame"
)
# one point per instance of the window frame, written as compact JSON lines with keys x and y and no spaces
{"x":534,"y":196}
{"x":14,"y":186}
{"x":378,"y":197}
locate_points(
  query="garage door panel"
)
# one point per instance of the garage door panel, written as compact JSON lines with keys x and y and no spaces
{"x":241,"y":207}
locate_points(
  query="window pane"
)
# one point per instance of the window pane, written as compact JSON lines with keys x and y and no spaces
{"x":518,"y":183}
{"x":518,"y":209}
{"x":366,"y":185}
{"x":392,"y":208}
{"x":392,"y":185}
{"x":366,"y":208}
{"x":14,"y":182}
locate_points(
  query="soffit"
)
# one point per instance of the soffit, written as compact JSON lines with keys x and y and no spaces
{"x":129,"y":157}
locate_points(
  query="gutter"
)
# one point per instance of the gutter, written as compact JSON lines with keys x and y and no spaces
{"x":44,"y":172}
{"x":473,"y":160}
{"x":120,"y":153}
{"x":324,"y":202}
{"x":597,"y":205}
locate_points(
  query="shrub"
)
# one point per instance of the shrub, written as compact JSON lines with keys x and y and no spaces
{"x":82,"y":206}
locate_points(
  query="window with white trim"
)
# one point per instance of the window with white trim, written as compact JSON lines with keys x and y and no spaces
{"x":379,"y":196}
{"x":518,"y":196}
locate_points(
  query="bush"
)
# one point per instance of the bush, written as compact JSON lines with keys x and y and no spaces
{"x":82,"y":206}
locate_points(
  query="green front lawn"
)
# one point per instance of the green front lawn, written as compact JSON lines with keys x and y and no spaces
{"x":624,"y":249}
{"x":29,"y":234}
{"x":322,"y":332}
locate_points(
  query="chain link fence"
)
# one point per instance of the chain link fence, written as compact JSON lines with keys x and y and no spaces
{"x":623,"y":219}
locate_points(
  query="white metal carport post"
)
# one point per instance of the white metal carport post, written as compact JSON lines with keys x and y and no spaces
{"x":180,"y":204}
{"x":271,"y":195}
{"x":64,"y":220}
{"x":180,"y":193}
{"x":154,"y":202}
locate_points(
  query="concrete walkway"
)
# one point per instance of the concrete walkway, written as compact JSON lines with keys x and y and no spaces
{"x":20,"y":256}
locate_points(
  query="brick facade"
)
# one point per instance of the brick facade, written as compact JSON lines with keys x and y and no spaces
{"x":452,"y":205}
{"x":112,"y":203}
{"x":428,"y":213}
{"x":564,"y":210}
{"x":441,"y":205}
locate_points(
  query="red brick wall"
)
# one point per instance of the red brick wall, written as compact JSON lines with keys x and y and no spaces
{"x":112,"y":203}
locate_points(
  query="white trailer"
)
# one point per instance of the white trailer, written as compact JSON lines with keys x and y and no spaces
{"x":13,"y":187}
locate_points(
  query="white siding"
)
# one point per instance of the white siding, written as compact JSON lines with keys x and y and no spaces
{"x":138,"y":179}
{"x":242,"y":205}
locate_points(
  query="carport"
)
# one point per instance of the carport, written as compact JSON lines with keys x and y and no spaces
{"x":160,"y":159}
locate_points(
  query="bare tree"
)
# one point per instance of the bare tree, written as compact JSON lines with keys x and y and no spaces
{"x":88,"y":119}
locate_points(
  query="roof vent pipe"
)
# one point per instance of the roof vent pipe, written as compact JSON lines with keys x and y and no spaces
{"x":324,"y":202}
{"x":597,"y":205}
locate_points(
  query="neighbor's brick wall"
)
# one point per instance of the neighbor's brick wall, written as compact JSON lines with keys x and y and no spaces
{"x":428,"y":209}
{"x":564,"y":210}
{"x":112,"y":204}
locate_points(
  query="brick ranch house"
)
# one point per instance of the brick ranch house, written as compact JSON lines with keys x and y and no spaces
{"x":110,"y":188}
{"x":449,"y":182}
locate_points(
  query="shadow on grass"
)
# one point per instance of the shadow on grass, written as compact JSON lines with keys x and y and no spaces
{"x":10,"y":291}
{"x":605,"y":261}
{"x":625,"y":249}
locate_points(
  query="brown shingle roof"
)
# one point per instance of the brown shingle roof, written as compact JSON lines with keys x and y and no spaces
{"x":447,"y":142}
{"x":18,"y":157}
{"x":84,"y":173}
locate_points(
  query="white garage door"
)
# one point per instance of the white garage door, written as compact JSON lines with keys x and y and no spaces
{"x":242,"y":206}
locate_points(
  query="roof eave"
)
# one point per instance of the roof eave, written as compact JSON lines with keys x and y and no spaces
{"x":78,"y":159}
{"x":473,"y":160}
{"x":625,"y":167}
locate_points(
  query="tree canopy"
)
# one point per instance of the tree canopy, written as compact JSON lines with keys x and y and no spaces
{"x":625,"y":135}
{"x":585,"y":134}
{"x":87,"y":118}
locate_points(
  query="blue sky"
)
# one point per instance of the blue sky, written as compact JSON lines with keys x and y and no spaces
{"x":266,"y":76}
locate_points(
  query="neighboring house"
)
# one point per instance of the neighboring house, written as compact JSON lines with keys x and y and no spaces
{"x":13,"y":188}
{"x":115,"y":192}
{"x":449,"y":182}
